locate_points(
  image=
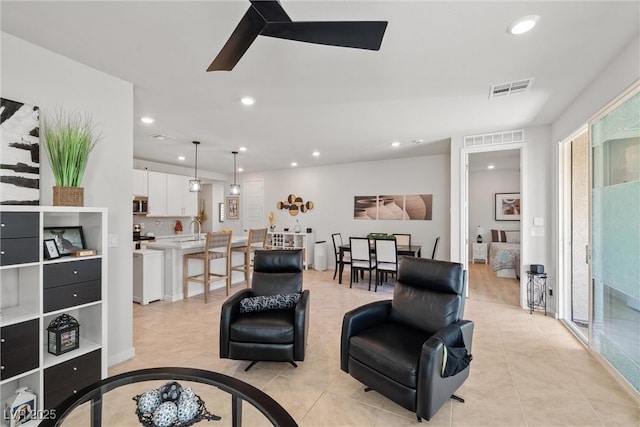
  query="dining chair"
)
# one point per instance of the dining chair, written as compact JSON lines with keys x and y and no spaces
{"x":361,"y":259}
{"x":386,"y":259}
{"x":403,"y":239}
{"x":256,"y":239}
{"x":346,"y":257}
{"x":217,"y":245}
{"x":435,"y":248}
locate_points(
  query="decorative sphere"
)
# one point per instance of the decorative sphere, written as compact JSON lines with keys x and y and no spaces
{"x":149,"y":401}
{"x":170,"y":391}
{"x":187,"y":409}
{"x":187,"y":393}
{"x":165,"y":415}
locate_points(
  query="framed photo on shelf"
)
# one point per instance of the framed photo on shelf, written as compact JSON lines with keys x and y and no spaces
{"x":233,"y":207}
{"x":51,"y":249}
{"x":67,"y":238}
{"x":507,"y":207}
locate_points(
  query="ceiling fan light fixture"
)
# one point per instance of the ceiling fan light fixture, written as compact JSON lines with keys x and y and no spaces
{"x":523,"y":25}
{"x":235,"y":188}
{"x":195,"y":185}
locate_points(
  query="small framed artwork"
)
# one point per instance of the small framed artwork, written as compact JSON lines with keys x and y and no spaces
{"x":233,"y":207}
{"x":67,"y":238}
{"x":51,"y":249}
{"x":507,"y":207}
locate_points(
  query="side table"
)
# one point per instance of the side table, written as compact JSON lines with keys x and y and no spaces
{"x":480,"y":252}
{"x":536,"y":291}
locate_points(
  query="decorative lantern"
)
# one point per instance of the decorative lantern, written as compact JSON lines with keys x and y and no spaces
{"x":64,"y":334}
{"x":20,"y":407}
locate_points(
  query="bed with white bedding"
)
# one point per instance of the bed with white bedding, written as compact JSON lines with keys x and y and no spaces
{"x":503,"y":254}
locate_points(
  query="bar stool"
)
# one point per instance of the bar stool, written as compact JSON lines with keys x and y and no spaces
{"x":257,"y":239}
{"x":217,"y":245}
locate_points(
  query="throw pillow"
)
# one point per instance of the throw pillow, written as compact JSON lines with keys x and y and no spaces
{"x":498,"y":236}
{"x":513,"y":236}
{"x":269,"y":302}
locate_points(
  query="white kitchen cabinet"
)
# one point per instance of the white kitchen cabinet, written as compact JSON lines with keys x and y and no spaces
{"x":140,"y":184}
{"x":169,"y":195}
{"x":157,"y":194}
{"x":148,"y":281}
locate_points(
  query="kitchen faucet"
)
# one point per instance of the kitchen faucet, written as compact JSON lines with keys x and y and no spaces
{"x":194,"y":228}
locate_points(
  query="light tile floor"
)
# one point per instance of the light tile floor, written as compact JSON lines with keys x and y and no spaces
{"x":528,"y":370}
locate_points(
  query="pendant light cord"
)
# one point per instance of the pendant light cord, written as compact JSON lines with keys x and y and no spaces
{"x":235,"y":153}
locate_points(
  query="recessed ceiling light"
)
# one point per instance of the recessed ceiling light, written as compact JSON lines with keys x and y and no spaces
{"x":294,"y":164}
{"x":242,"y":148}
{"x":147,"y":120}
{"x":491,"y":167}
{"x":240,"y":169}
{"x":315,"y":153}
{"x":395,"y":144}
{"x":247,"y":100}
{"x":181,"y":158}
{"x":523,"y":25}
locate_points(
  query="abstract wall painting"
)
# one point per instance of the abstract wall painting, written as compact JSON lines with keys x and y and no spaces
{"x":19,"y":153}
{"x":394,"y":207}
{"x":391,"y":207}
{"x":507,"y":207}
{"x":365,"y":207}
{"x":419,"y":206}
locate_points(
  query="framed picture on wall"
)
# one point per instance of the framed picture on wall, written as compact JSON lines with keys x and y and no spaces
{"x":233,"y":207}
{"x":507,"y":206}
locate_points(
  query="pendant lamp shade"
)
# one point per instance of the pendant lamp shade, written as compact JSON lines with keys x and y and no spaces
{"x":235,"y":188}
{"x":195,"y":185}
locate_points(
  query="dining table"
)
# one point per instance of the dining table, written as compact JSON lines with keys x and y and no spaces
{"x":403,"y":250}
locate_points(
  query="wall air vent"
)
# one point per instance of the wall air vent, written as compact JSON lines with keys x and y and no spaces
{"x":510,"y":88}
{"x":497,"y":138}
{"x":162,"y":137}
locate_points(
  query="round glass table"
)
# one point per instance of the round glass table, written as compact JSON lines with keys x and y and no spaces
{"x":110,"y":402}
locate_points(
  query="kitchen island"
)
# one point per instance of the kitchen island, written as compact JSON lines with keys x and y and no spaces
{"x":175,"y":249}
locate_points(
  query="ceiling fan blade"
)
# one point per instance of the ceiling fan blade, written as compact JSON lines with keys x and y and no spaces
{"x":245,"y":33}
{"x":355,"y":34}
{"x":271,"y":10}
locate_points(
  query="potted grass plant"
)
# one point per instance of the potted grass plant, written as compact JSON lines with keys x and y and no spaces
{"x":69,"y":139}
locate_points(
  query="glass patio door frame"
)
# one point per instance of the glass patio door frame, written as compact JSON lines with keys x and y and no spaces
{"x":630,"y":92}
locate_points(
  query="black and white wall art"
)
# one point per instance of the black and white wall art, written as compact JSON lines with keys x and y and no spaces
{"x":19,"y":153}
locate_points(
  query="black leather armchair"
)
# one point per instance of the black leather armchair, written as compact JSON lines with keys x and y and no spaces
{"x":396,"y":347}
{"x":274,"y":335}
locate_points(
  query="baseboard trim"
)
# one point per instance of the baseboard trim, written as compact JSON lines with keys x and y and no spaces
{"x":114,"y":359}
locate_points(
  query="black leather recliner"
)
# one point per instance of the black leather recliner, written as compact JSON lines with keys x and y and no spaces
{"x":396,"y":347}
{"x":273,"y":335}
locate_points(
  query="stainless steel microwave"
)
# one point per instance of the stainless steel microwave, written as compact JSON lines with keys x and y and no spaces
{"x":140,"y":205}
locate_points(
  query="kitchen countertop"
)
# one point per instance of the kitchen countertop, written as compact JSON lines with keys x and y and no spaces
{"x":146,"y":251}
{"x":189,"y":242}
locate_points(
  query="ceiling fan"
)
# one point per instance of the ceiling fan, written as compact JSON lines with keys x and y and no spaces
{"x":268,"y":18}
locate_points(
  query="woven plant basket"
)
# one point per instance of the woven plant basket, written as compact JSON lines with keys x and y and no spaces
{"x":68,"y":196}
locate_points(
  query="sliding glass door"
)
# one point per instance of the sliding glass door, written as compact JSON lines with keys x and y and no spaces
{"x":615,"y":237}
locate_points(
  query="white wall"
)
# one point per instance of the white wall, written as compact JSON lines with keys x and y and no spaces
{"x":482,"y":188}
{"x":40,"y":77}
{"x":621,"y":72}
{"x":332,"y":188}
{"x":536,"y":196}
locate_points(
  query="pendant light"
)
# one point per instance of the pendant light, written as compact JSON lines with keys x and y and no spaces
{"x":235,"y":188}
{"x":195,"y":185}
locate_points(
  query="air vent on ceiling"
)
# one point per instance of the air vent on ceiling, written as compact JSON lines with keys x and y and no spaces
{"x":510,"y":88}
{"x":162,"y":137}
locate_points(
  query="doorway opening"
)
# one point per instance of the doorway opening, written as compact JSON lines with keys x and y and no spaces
{"x":490,"y":278}
{"x":575,"y":224}
{"x":478,"y":208}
